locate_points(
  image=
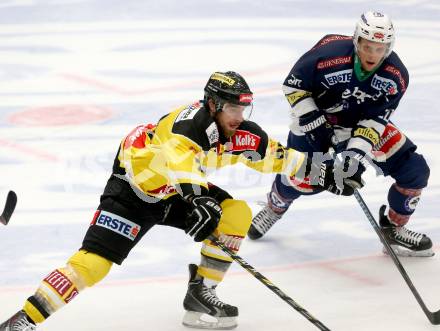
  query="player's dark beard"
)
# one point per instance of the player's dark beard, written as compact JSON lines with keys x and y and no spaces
{"x":223,"y":131}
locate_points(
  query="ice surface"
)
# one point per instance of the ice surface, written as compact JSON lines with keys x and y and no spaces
{"x":77,"y":75}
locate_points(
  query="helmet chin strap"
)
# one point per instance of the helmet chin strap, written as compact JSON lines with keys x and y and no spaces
{"x":218,"y":105}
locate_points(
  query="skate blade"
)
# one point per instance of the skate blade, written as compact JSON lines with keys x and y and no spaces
{"x":405,"y":252}
{"x":196,"y":320}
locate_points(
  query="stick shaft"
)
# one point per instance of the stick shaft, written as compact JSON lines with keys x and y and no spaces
{"x":434,"y":318}
{"x":270,"y":285}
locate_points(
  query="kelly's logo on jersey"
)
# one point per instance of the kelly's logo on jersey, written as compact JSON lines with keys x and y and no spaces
{"x":117,"y":224}
{"x":343,"y":76}
{"x":379,"y":83}
{"x":244,"y":141}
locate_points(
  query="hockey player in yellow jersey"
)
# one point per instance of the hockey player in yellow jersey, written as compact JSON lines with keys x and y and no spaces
{"x":158,"y":178}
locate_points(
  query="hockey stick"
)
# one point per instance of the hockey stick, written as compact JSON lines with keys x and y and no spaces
{"x":11,"y":202}
{"x":434,"y":317}
{"x":269,"y":285}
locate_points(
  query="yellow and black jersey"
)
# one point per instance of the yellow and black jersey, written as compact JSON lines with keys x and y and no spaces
{"x":157,"y":159}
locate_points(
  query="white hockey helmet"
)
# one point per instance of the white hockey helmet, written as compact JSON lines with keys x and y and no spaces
{"x":376,"y":27}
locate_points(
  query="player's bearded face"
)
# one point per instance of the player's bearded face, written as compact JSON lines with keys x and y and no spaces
{"x":230,"y":118}
{"x":371,"y":53}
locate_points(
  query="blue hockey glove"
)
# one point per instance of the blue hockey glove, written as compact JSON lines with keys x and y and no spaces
{"x":317,"y":130}
{"x":339,"y":176}
{"x":351,"y":169}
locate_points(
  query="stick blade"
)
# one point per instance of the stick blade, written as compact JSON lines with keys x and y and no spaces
{"x":11,"y":202}
{"x":434,"y":318}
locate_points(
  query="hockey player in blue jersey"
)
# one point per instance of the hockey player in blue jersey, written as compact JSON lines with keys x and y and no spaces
{"x":342,"y":94}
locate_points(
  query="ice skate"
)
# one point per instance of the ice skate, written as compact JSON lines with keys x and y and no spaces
{"x":404,"y":242}
{"x":262,"y":222}
{"x":203,"y":308}
{"x":18,"y":322}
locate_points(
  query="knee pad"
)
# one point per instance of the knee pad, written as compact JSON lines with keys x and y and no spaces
{"x":413,"y":172}
{"x":236,"y":218}
{"x":89,"y":267}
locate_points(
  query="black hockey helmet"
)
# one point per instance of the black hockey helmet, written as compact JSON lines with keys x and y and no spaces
{"x":229,"y":87}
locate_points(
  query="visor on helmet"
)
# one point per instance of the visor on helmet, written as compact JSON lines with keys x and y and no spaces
{"x":238,"y":110}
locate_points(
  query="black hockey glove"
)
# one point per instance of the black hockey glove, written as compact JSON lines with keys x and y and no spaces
{"x":204,"y":218}
{"x":317,"y":130}
{"x":354,"y":166}
{"x":340,"y":176}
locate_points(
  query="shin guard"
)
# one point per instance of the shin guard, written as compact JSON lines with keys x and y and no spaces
{"x":402,"y":204}
{"x":62,"y":285}
{"x":232,"y":229}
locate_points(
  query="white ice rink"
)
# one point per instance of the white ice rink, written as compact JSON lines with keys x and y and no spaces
{"x":77,"y":75}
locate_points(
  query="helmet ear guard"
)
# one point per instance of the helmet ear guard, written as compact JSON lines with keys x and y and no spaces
{"x":377,"y":27}
{"x":229,"y":87}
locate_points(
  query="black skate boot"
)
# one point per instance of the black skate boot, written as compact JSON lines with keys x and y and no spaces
{"x":404,"y":242}
{"x":262,"y":222}
{"x":201,"y":300}
{"x":19,"y":322}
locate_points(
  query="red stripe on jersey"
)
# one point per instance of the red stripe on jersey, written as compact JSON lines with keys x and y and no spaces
{"x":95,"y":217}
